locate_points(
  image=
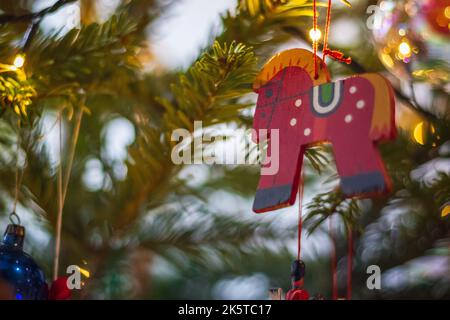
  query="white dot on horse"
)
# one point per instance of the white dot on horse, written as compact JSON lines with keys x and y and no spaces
{"x":293,"y":122}
{"x":353,"y":90}
{"x":298,"y":102}
{"x":348,"y":118}
{"x":360,"y":104}
{"x":307,"y":132}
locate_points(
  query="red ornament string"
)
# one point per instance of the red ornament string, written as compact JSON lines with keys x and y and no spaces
{"x":334,"y":54}
{"x":315,"y":41}
{"x":339,"y":56}
{"x":300,"y":219}
{"x":327,"y":31}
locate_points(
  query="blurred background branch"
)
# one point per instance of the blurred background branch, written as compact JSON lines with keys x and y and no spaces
{"x":146,"y":228}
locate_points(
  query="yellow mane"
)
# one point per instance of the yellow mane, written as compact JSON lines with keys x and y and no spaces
{"x":292,"y":58}
{"x":383,"y":118}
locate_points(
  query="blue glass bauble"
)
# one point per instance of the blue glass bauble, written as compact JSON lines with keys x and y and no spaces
{"x":18,"y":271}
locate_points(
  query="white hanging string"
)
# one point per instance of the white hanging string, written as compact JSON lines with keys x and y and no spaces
{"x":63,"y":183}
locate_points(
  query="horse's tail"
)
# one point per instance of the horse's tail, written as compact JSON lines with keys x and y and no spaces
{"x":383,"y":118}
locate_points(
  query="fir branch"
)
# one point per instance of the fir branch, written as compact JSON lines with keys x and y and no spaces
{"x":204,"y":234}
{"x":7,"y":18}
{"x":324,"y":205}
{"x":85,"y":56}
{"x":220,"y":75}
{"x":257,"y":23}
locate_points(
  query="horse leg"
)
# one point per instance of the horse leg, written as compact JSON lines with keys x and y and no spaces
{"x":279,"y":190}
{"x":360,"y":167}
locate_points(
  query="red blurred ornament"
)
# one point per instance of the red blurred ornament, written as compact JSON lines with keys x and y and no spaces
{"x":298,"y":269}
{"x":297,"y":294}
{"x":437,"y":13}
{"x":59,"y":290}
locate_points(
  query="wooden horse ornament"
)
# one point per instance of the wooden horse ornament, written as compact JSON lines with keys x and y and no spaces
{"x":352,"y":114}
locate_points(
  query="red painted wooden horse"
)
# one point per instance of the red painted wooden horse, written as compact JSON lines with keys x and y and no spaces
{"x":352,"y":114}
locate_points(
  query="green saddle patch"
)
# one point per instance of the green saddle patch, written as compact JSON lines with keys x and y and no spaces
{"x":326,"y":93}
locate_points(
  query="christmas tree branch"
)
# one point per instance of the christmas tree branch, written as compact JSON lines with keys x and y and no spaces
{"x":324,"y":205}
{"x":7,"y":18}
{"x":85,"y":56}
{"x":203,"y":236}
{"x":214,"y":81}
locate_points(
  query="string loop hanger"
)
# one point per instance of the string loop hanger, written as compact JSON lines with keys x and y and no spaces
{"x":14,"y":218}
{"x":316,"y":34}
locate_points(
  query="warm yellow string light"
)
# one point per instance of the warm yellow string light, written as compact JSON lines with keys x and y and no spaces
{"x":17,"y":65}
{"x":445,"y":211}
{"x":418,"y":133}
{"x":18,"y":101}
{"x":19,"y":61}
{"x":405,"y":49}
{"x":315,"y":35}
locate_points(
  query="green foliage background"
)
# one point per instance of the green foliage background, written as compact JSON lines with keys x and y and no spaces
{"x":153,"y":233}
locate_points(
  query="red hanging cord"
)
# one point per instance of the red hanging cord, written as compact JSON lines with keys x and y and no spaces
{"x":315,"y":41}
{"x":349,"y":263}
{"x":335,"y":54}
{"x":327,"y":31}
{"x":300,"y":219}
{"x":334,"y":287}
